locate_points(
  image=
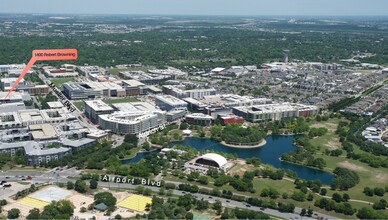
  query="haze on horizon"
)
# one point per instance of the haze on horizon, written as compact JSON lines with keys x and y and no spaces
{"x":201,"y":7}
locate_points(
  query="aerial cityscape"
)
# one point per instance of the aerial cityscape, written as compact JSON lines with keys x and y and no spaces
{"x":107,"y":113}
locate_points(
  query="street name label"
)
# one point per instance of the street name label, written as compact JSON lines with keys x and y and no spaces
{"x":47,"y":55}
{"x":60,"y":54}
{"x":133,"y":181}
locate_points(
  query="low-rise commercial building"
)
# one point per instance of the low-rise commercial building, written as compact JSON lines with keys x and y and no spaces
{"x":92,"y":90}
{"x":132,"y":122}
{"x":24,"y":118}
{"x":176,"y":115}
{"x":193,"y":93}
{"x":35,"y":153}
{"x":199,"y":119}
{"x":7,"y":83}
{"x":274,"y":112}
{"x":146,"y":78}
{"x":60,"y":73}
{"x":92,"y":71}
{"x":94,"y":108}
{"x":168,"y":103}
{"x":230,"y":119}
{"x":134,"y":87}
{"x":132,"y":118}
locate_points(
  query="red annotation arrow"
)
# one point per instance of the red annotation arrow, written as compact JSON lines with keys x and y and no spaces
{"x":56,"y":54}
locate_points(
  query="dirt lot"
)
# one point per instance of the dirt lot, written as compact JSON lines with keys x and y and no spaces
{"x":352,"y":166}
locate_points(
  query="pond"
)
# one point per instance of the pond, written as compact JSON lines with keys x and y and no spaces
{"x":269,"y":154}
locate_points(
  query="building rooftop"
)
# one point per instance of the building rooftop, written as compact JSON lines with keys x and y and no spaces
{"x":14,"y":96}
{"x":199,"y":115}
{"x":278,"y":107}
{"x":77,"y":143}
{"x":171,"y":100}
{"x":54,"y":105}
{"x":135,"y":107}
{"x":132,"y":82}
{"x":98,"y":105}
{"x":42,"y":131}
{"x":220,"y":160}
{"x":33,"y":148}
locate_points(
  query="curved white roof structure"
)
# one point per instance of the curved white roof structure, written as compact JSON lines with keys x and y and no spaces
{"x":220,"y":160}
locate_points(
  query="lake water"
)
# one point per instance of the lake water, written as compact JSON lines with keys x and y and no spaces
{"x":269,"y":154}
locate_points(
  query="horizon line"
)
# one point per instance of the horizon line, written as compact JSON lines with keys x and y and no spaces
{"x":209,"y":15}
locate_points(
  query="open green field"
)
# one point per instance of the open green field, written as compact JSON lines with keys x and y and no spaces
{"x":8,"y":167}
{"x":369,"y":176}
{"x":282,"y":186}
{"x":80,"y":105}
{"x":122,"y":100}
{"x":58,"y":82}
{"x":115,"y":71}
{"x":202,"y":216}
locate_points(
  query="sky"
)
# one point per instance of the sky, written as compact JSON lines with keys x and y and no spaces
{"x":200,"y":7}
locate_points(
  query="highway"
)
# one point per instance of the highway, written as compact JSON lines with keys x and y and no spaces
{"x":58,"y":176}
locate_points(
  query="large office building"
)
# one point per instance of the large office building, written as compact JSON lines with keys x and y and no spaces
{"x":199,"y":119}
{"x":13,"y":70}
{"x":35,"y":153}
{"x":14,"y":97}
{"x":23,"y":118}
{"x":168,"y":103}
{"x":59,"y":73}
{"x":87,"y":90}
{"x":193,"y":93}
{"x":43,"y":135}
{"x":94,"y":108}
{"x":92,"y":71}
{"x":7,"y":83}
{"x":274,"y":112}
{"x":132,"y":118}
{"x":146,"y":78}
{"x":131,"y":122}
{"x":134,"y":87}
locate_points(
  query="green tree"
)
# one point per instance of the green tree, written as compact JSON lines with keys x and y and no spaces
{"x":345,"y":197}
{"x":189,"y":215}
{"x":13,"y":213}
{"x":217,"y":206}
{"x":70,"y":185}
{"x":33,"y":214}
{"x":63,"y":209}
{"x":93,"y":184}
{"x":323,"y":192}
{"x":303,"y":212}
{"x":310,"y":212}
{"x":105,"y":197}
{"x":80,"y":186}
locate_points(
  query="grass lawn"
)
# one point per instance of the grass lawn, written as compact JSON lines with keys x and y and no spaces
{"x":58,"y":82}
{"x":23,"y":168}
{"x":80,"y":105}
{"x":369,"y":176}
{"x":202,"y":216}
{"x":115,"y":71}
{"x":133,"y":153}
{"x":121,"y":100}
{"x":282,"y":186}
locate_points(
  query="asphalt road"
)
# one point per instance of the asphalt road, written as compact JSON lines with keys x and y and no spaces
{"x":58,"y":176}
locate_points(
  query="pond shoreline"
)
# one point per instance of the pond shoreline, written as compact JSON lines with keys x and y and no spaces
{"x":262,"y":143}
